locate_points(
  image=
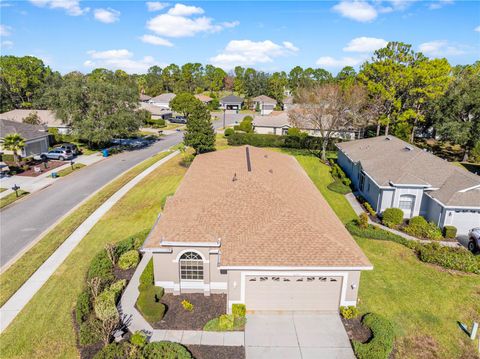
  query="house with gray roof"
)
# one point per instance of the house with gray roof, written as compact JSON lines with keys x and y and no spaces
{"x":156,"y":111}
{"x":389,"y":172}
{"x":231,"y":102}
{"x":35,"y":136}
{"x":46,"y":118}
{"x":162,"y":100}
{"x":264,"y":104}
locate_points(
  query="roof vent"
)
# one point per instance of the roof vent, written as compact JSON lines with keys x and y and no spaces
{"x":249,"y":165}
{"x":234,"y":177}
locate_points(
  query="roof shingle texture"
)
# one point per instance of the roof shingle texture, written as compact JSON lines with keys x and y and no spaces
{"x":265,"y":99}
{"x":388,"y":159}
{"x":163,"y":98}
{"x":231,"y":99}
{"x":46,"y":117}
{"x":28,"y":132}
{"x":271,"y":216}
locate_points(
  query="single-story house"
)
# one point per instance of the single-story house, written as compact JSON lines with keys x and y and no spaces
{"x":156,"y":111}
{"x":278,"y":123}
{"x":231,"y":102}
{"x":389,"y":172}
{"x":35,"y":136}
{"x":162,"y":100}
{"x":46,"y":117}
{"x":204,"y":98}
{"x":250,"y":223}
{"x":287,"y":103}
{"x":264,"y":103}
{"x":145,"y":98}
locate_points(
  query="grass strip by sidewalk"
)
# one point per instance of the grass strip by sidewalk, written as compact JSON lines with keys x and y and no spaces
{"x":14,"y":277}
{"x":68,"y":170}
{"x":10,"y":198}
{"x":2,"y":189}
{"x":44,"y":328}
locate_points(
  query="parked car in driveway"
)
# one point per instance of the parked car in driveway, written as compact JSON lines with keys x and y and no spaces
{"x":178,"y":119}
{"x":69,"y":146}
{"x":57,"y":154}
{"x":474,"y":239}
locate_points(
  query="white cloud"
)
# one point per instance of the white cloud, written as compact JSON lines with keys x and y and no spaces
{"x":247,"y":53}
{"x":155,"y":40}
{"x":107,"y":16}
{"x":5,"y":30}
{"x":179,"y":26}
{"x":356,"y":10}
{"x":365,"y":44}
{"x":440,"y":48}
{"x":156,"y":6}
{"x":331,"y":62}
{"x":230,"y":24}
{"x":434,"y":5}
{"x":477,"y":29}
{"x":72,"y":7}
{"x":185,"y":10}
{"x":7,"y":44}
{"x":119,"y":59}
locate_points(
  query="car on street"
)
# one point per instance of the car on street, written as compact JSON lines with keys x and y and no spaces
{"x":57,"y":154}
{"x":178,"y":119}
{"x":474,"y":239}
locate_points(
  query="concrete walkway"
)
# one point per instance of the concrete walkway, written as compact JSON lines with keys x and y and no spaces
{"x":359,"y":210}
{"x":296,"y":335}
{"x":26,"y":292}
{"x":135,"y":321}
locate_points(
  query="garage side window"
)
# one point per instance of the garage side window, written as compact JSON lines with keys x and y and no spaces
{"x":191,"y":266}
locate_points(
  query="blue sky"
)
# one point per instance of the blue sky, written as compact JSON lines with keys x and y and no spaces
{"x":274,"y":35}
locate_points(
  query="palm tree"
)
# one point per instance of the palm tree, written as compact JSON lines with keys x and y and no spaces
{"x":14,"y":142}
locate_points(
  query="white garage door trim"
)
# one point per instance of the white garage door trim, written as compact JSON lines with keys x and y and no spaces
{"x":344,"y":275}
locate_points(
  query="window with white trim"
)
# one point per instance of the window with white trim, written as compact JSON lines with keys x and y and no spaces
{"x":191,"y":266}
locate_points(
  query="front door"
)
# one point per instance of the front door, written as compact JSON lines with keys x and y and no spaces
{"x":407,"y":205}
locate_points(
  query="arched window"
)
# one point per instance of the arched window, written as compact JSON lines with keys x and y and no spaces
{"x":191,"y":266}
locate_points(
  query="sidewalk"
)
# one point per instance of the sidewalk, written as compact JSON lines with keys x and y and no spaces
{"x":33,"y":184}
{"x":359,"y":210}
{"x":26,"y":292}
{"x":136,"y":322}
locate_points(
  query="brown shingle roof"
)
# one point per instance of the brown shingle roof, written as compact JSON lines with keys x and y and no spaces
{"x":203,"y":98}
{"x":271,"y":216}
{"x":265,"y":99}
{"x":47,"y":117}
{"x":388,"y":159}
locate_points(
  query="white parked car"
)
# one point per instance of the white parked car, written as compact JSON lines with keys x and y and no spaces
{"x":474,"y":239}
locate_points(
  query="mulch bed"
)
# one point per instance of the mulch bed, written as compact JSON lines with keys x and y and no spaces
{"x":31,"y":171}
{"x":216,"y":352}
{"x":205,"y":309}
{"x":356,"y":330}
{"x":123,"y":274}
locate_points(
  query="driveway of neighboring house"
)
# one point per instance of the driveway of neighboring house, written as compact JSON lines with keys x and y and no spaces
{"x":296,"y":335}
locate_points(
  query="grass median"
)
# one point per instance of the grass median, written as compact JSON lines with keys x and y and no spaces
{"x":25,"y":266}
{"x":12,"y":197}
{"x":44,"y":328}
{"x":68,"y":170}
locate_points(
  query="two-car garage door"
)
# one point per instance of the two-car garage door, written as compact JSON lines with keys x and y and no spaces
{"x":291,"y":293}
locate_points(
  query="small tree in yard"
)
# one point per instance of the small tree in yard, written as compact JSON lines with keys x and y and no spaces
{"x":14,"y":142}
{"x":184,"y":103}
{"x":200,"y":133}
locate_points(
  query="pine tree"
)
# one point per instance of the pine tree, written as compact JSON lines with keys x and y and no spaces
{"x":200,"y":133}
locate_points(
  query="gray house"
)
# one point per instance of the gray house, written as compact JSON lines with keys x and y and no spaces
{"x":231,"y":102}
{"x":264,"y":103}
{"x":162,"y":100}
{"x":389,"y":172}
{"x":46,"y":118}
{"x":35,"y":136}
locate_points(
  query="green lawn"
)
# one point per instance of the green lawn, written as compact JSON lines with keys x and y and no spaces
{"x":44,"y":328}
{"x":12,"y":197}
{"x":2,"y":189}
{"x":24,"y":267}
{"x":68,"y":170}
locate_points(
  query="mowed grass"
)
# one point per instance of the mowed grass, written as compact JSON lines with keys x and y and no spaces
{"x":12,"y":197}
{"x":44,"y":328}
{"x":68,"y":170}
{"x":25,"y":266}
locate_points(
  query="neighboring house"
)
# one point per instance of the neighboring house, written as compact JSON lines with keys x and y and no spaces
{"x":47,"y":118}
{"x":264,"y":103}
{"x":287,"y":103}
{"x":250,"y":223}
{"x":145,"y":98}
{"x":389,"y":172}
{"x":162,"y":100}
{"x":157,"y":112}
{"x":278,"y":123}
{"x":231,"y":102}
{"x":35,"y":136}
{"x":204,"y":98}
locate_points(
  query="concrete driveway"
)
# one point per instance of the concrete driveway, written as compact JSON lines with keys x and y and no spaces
{"x":296,"y":335}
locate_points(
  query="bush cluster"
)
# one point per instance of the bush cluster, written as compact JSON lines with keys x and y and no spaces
{"x":392,"y":217}
{"x":90,"y":331}
{"x":129,"y":259}
{"x":369,"y":209}
{"x":165,"y":350}
{"x":229,"y":131}
{"x":349,"y":312}
{"x":246,"y":125}
{"x":419,"y":227}
{"x":156,"y":123}
{"x":226,"y":322}
{"x":139,"y":339}
{"x":381,"y":344}
{"x":363,"y":220}
{"x":83,"y":306}
{"x":450,"y":232}
{"x":101,"y":267}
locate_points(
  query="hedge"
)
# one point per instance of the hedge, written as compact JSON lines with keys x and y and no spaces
{"x":148,"y":303}
{"x":129,"y":259}
{"x":229,"y":131}
{"x":101,"y":267}
{"x":419,"y":227}
{"x":83,"y":306}
{"x":381,"y":344}
{"x":225,"y":323}
{"x":392,"y":217}
{"x":146,"y":278}
{"x":90,"y":331}
{"x":450,"y":232}
{"x":167,"y":350}
{"x":339,"y":187}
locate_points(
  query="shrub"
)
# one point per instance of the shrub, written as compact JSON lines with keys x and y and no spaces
{"x":90,"y":331}
{"x":239,"y":310}
{"x":419,"y":227}
{"x":148,"y":303}
{"x":187,"y":305}
{"x":156,"y":122}
{"x":101,"y":267}
{"x":187,"y":159}
{"x":166,"y":350}
{"x":392,"y":217}
{"x":246,"y":125}
{"x":238,"y":139}
{"x":139,"y":339}
{"x":229,"y":131}
{"x":339,"y":187}
{"x":214,"y":324}
{"x":105,"y":305}
{"x":449,"y":257}
{"x":337,"y":172}
{"x":349,"y":312}
{"x":146,"y":278}
{"x":450,"y":232}
{"x":369,"y":209}
{"x":129,"y":259}
{"x":113,"y":351}
{"x":83,"y":306}
{"x":226,"y":321}
{"x":381,"y":344}
{"x":363,"y":221}
{"x":117,"y":287}
{"x":134,"y":242}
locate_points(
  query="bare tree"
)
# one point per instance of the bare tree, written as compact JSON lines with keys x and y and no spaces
{"x":107,"y":328}
{"x":111,"y":252}
{"x":95,"y":286}
{"x":331,"y":109}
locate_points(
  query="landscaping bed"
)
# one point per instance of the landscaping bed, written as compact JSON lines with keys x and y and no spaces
{"x":30,"y":172}
{"x":216,"y":352}
{"x":204,"y":309}
{"x":356,"y":330}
